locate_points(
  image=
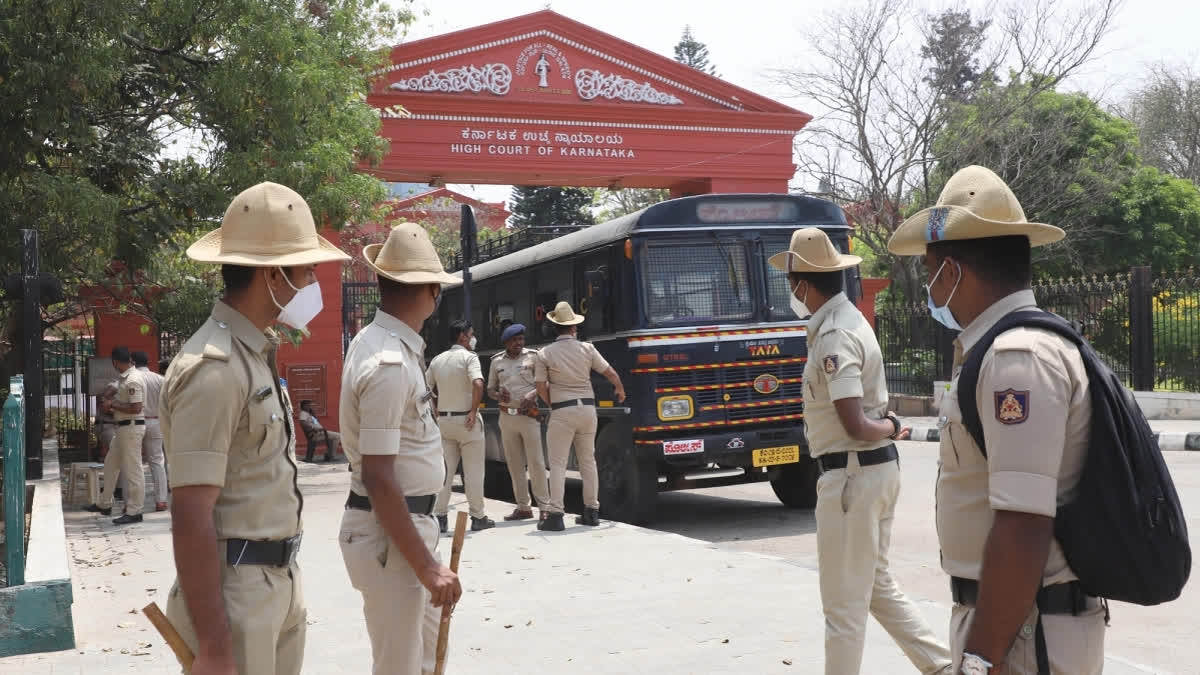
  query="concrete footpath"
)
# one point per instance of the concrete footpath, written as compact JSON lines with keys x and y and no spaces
{"x":613,"y":599}
{"x":1172,"y":435}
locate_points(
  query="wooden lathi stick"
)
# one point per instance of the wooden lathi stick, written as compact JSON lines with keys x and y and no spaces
{"x":172,"y":636}
{"x":460,"y":530}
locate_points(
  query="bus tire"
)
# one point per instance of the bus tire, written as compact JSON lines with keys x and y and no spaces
{"x":497,"y":481}
{"x":628,"y":483}
{"x":796,"y":485}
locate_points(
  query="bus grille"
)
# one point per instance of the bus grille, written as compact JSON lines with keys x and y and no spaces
{"x":736,"y":383}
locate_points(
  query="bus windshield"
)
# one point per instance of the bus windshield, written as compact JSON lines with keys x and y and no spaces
{"x":697,"y":282}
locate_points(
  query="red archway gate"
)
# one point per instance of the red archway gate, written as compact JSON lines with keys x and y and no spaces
{"x":544,"y":100}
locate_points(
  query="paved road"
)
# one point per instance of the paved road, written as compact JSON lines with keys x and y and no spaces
{"x":750,"y":518}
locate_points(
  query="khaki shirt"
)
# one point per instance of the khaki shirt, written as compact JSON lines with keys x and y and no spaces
{"x":515,"y":375}
{"x":153,"y":382}
{"x":844,"y":361}
{"x":1036,"y":414}
{"x":567,"y":364}
{"x":130,"y":389}
{"x":452,"y":375}
{"x":227,"y":423}
{"x":108,"y":417}
{"x":386,"y":409}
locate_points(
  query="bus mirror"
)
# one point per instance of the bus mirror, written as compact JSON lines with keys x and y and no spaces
{"x":597,"y":285}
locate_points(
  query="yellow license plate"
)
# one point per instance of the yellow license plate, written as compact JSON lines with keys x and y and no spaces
{"x":782,"y":455}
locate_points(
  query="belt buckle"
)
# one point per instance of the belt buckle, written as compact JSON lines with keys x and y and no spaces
{"x":293,"y":549}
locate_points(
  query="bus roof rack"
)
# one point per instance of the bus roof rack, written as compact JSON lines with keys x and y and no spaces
{"x":512,"y":242}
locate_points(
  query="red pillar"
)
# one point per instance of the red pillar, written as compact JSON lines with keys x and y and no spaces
{"x":871,"y":288}
{"x":117,"y":328}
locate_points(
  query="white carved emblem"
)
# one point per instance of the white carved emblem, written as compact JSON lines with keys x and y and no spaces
{"x":593,"y":83}
{"x":493,"y":77}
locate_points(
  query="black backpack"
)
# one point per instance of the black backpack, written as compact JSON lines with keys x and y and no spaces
{"x":1123,"y":533}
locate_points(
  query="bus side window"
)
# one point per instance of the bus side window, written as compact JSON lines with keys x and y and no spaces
{"x":512,"y":303}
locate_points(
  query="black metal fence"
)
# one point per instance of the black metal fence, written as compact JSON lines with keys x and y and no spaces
{"x":359,"y":302}
{"x":512,"y":242}
{"x":1147,"y":330}
{"x":70,"y":407}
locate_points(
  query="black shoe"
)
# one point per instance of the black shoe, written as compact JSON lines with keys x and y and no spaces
{"x":444,"y":523}
{"x":96,"y":509}
{"x":483,"y":523}
{"x":118,"y":494}
{"x":552,"y":523}
{"x":328,"y":458}
{"x":127,"y":519}
{"x":308,"y":459}
{"x":590,"y":517}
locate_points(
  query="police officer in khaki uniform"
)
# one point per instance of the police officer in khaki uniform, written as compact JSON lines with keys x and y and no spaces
{"x":389,"y":537}
{"x":564,"y":380}
{"x":125,"y":454}
{"x":456,"y":379}
{"x":511,"y":383}
{"x":152,"y":442}
{"x":995,"y":514}
{"x":227,"y":425}
{"x":850,"y":434}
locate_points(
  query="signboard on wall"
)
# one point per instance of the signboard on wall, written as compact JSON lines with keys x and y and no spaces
{"x":100,"y":372}
{"x":306,"y":382}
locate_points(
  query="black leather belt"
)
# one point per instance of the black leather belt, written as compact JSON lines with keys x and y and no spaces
{"x":452,"y":413}
{"x":125,"y":423}
{"x":421,"y":506}
{"x":1066,"y":598}
{"x":839,"y":460}
{"x":274,"y":553}
{"x":572,"y":403}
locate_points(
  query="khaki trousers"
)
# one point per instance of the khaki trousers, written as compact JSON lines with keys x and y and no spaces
{"x":267,"y":616}
{"x":574,"y":425}
{"x":855,"y":507}
{"x":467,"y":446}
{"x":401,"y":622}
{"x":125,"y":459}
{"x":152,"y":452}
{"x":1075,"y":644}
{"x":522,"y":439}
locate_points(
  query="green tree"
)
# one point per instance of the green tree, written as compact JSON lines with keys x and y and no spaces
{"x":1153,"y":219}
{"x":692,"y":52}
{"x":616,"y":203}
{"x":1062,"y":155}
{"x":953,"y":42}
{"x":100,"y":101}
{"x":1166,"y":112}
{"x":1075,"y":165}
{"x":537,"y":206}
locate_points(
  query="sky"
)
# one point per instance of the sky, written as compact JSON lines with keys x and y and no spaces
{"x":748,"y":39}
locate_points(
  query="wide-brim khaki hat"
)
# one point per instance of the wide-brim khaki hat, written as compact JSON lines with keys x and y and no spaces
{"x":408,"y":257}
{"x":563,"y":315}
{"x":812,"y":251}
{"x":975,"y":204}
{"x":267,"y":225}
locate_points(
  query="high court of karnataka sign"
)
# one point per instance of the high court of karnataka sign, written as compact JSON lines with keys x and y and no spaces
{"x":544,"y":100}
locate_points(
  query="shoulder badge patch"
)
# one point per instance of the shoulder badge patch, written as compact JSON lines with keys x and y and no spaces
{"x":1012,"y":406}
{"x":831,"y":364}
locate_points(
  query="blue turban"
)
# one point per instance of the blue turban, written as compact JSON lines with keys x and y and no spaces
{"x":511,"y":332}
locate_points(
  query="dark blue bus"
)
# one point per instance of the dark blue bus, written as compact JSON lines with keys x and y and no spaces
{"x":680,"y":300}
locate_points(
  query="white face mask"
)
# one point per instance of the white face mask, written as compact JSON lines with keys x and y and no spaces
{"x":472,"y":343}
{"x":304,"y":306}
{"x":798,"y":305}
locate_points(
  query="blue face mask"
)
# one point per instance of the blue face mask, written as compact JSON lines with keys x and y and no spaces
{"x":942,"y":314}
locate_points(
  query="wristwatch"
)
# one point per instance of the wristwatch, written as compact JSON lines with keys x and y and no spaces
{"x":973,"y":664}
{"x":895,"y":425}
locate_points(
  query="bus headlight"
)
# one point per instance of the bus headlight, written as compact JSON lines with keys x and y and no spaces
{"x":675,"y":408}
